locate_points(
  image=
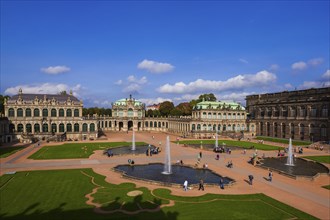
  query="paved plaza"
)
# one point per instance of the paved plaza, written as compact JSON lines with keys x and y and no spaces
{"x":303,"y":194}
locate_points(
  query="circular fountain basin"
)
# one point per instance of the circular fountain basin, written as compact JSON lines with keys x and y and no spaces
{"x":211,"y":146}
{"x":141,"y":149}
{"x":301,"y":166}
{"x":153,"y":173}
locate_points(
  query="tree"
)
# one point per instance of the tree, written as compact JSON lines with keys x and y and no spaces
{"x":185,"y":108}
{"x":165,"y":108}
{"x":63,"y":92}
{"x":207,"y":97}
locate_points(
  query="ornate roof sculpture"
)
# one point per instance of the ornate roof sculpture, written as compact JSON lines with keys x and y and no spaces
{"x":218,"y":105}
{"x":128,"y":103}
{"x":43,"y":98}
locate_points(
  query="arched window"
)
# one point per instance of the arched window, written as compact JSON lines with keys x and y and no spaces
{"x":68,"y":113}
{"x":159,"y":124}
{"x":76,"y":127}
{"x":155,"y":124}
{"x":45,"y":112}
{"x":61,"y":112}
{"x":146,"y":124}
{"x":204,"y":115}
{"x":130,"y":112}
{"x":19,"y":128}
{"x":209,"y":115}
{"x":193,"y":127}
{"x":45,"y":127}
{"x":28,"y":112}
{"x":36,"y":112}
{"x":219,"y":115}
{"x":76,"y":113}
{"x":84,"y":128}
{"x":92,"y":127}
{"x":61,"y":127}
{"x":224,"y":128}
{"x":28,"y":128}
{"x":11,"y":112}
{"x":151,"y":124}
{"x":53,"y":112}
{"x":20,"y":112}
{"x":36,"y":128}
{"x":204,"y":127}
{"x":69,"y":127}
{"x":54,"y":128}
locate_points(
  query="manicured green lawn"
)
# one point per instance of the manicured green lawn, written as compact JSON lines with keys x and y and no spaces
{"x":60,"y":194}
{"x":7,"y":151}
{"x":320,"y":159}
{"x":75,"y":150}
{"x":284,"y":141}
{"x":326,"y":187}
{"x":243,"y":144}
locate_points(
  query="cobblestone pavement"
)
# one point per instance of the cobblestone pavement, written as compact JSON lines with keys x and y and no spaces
{"x":306,"y":195}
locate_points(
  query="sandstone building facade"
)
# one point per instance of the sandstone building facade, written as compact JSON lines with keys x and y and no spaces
{"x":300,"y":115}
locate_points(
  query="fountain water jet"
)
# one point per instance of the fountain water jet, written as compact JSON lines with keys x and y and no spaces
{"x":216,"y":138}
{"x":133,"y":141}
{"x":289,"y":161}
{"x":167,"y":165}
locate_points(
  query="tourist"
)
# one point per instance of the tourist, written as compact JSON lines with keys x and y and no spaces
{"x":217,"y":157}
{"x":201,"y":185}
{"x":270,"y":175}
{"x":244,"y":151}
{"x":205,"y":166}
{"x":178,"y":162}
{"x":221,"y":183}
{"x":250,"y":179}
{"x":181,"y":162}
{"x":200,"y":154}
{"x":185,"y":185}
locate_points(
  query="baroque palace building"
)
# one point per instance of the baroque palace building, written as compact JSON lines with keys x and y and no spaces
{"x":58,"y":117}
{"x":45,"y":116}
{"x":300,"y":114}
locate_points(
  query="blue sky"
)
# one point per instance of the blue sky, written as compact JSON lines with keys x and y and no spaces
{"x":163,"y":50}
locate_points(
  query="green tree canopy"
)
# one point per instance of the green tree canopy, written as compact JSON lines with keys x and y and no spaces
{"x":165,"y":108}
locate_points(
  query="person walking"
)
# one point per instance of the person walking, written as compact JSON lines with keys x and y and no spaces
{"x":185,"y":185}
{"x":201,"y":185}
{"x":221,"y":183}
{"x":270,"y":176}
{"x":251,"y":179}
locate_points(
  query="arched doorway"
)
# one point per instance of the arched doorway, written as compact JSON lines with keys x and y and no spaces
{"x":139,"y":126}
{"x":130,"y":125}
{"x":121,"y":125}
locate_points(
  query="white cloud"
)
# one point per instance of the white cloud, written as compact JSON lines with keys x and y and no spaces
{"x":243,"y":61}
{"x":55,"y":69}
{"x":310,"y":84}
{"x":155,"y":67}
{"x":133,"y":88}
{"x":315,"y":61}
{"x":259,"y":79}
{"x":133,"y":79}
{"x":151,"y":101}
{"x":119,"y":82}
{"x":326,"y":75}
{"x":45,"y":88}
{"x":288,"y":86}
{"x":274,"y":67}
{"x":299,"y":65}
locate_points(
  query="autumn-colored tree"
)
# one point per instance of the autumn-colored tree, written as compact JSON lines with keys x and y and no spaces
{"x":185,"y":108}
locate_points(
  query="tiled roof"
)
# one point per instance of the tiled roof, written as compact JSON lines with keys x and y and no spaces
{"x":31,"y":97}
